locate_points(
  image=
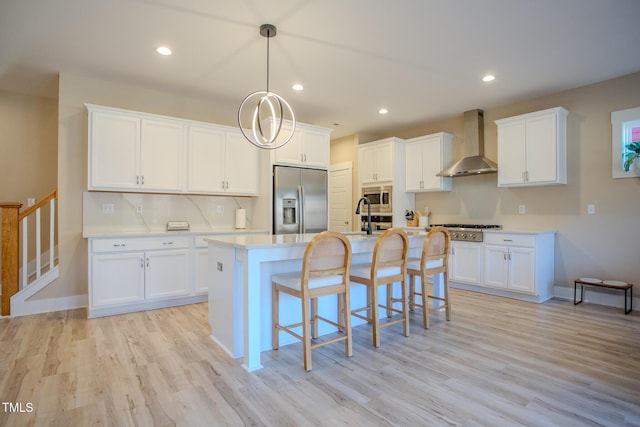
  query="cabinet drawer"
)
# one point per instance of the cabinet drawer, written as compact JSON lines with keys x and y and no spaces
{"x":510,"y":239}
{"x":142,"y":244}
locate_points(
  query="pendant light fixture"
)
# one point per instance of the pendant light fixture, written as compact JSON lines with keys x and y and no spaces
{"x":262,"y":114}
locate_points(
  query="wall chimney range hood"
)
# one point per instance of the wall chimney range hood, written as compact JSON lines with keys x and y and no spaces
{"x":474,"y":162}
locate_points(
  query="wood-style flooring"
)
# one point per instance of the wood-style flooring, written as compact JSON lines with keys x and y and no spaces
{"x":498,"y":362}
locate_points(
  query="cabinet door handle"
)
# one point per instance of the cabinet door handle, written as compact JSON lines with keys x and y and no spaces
{"x":507,"y":240}
{"x":504,"y":256}
{"x":119,"y":245}
{"x":147,"y":262}
{"x":167,"y":243}
{"x":142,"y":181}
{"x":141,"y":262}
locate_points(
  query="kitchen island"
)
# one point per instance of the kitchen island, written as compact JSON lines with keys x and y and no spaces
{"x":240,"y":270}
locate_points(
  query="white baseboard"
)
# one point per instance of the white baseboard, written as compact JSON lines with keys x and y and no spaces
{"x":37,"y":306}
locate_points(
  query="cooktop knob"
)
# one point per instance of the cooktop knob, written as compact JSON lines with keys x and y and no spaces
{"x":464,"y":235}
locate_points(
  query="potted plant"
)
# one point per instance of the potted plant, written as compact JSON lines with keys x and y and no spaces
{"x":631,"y":155}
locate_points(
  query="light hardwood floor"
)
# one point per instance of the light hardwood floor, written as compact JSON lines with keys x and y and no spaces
{"x":498,"y":362}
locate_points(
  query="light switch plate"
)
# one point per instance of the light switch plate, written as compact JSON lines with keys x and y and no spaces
{"x":522,"y":209}
{"x":591,"y":209}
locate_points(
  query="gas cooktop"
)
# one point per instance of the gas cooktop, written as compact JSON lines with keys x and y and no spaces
{"x":474,"y":226}
{"x":467,"y":232}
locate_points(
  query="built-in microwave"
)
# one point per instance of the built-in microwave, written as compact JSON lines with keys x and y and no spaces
{"x":379,"y":196}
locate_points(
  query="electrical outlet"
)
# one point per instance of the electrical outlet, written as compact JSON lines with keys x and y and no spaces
{"x":591,"y":209}
{"x":522,"y":209}
{"x":107,"y":208}
{"x":139,"y":208}
{"x":220,"y":209}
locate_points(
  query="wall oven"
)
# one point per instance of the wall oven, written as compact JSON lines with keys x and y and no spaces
{"x":379,"y":196}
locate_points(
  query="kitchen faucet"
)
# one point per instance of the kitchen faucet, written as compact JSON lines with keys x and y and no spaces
{"x":368,"y":203}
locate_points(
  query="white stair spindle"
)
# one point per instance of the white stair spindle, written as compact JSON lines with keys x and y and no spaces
{"x":25,"y":259}
{"x":38,"y":244}
{"x":52,"y":222}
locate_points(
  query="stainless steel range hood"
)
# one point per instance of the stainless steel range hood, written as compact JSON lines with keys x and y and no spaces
{"x":474,"y":162}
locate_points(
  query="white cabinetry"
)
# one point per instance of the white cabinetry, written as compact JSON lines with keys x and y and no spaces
{"x":509,"y":267}
{"x":532,"y":149}
{"x":425,"y":157}
{"x":140,"y":152}
{"x":512,"y":264}
{"x":465,"y":262}
{"x":161,"y":155}
{"x":221,"y":162}
{"x":116,"y":279}
{"x":309,"y":147}
{"x":520,"y":265}
{"x":383,"y":163}
{"x":131,"y":274}
{"x":127,"y":152}
{"x":375,"y":161}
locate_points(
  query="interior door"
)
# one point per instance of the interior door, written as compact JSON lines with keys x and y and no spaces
{"x":340,"y":197}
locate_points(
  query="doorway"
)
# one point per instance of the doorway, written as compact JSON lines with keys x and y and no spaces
{"x":340,"y":197}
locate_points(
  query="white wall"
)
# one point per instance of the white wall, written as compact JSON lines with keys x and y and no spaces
{"x":74,"y":92}
{"x":604,"y":245}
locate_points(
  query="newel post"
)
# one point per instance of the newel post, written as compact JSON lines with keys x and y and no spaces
{"x":10,"y":260}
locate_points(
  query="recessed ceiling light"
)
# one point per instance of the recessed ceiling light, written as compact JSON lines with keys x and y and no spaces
{"x":489,"y":78}
{"x":297,"y":86}
{"x":383,"y":111}
{"x":163,"y":50}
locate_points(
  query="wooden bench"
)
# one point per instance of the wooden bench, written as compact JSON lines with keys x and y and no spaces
{"x":625,"y":287}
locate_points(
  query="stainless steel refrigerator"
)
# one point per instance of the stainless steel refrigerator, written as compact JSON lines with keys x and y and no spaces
{"x":299,"y":200}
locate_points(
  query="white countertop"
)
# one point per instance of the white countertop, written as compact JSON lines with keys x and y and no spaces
{"x":160,"y":232}
{"x":519,"y":231}
{"x":261,"y":241}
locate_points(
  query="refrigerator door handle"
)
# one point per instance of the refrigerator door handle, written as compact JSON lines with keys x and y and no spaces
{"x":302,"y":209}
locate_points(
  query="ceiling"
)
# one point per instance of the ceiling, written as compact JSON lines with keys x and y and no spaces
{"x":421,"y":59}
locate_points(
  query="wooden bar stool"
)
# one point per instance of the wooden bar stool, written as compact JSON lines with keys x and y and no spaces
{"x":325,"y":271}
{"x":388,"y":266}
{"x":434,"y":260}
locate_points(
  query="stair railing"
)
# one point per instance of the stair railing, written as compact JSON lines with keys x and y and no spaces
{"x":11,"y":220}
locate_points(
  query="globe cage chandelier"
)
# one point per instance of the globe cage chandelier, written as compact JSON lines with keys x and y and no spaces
{"x":262,"y":126}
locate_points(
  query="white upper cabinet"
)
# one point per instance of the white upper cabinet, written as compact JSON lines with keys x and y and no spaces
{"x":221,"y":162}
{"x":375,"y":162}
{"x":161,"y":155}
{"x":532,"y":149}
{"x":132,"y":151}
{"x":114,"y":151}
{"x":309,"y":147}
{"x":242,"y":165}
{"x":206,"y":147}
{"x":425,"y":157}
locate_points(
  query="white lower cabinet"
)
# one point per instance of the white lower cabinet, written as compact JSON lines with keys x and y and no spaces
{"x":134,"y":274}
{"x":465,"y":262}
{"x":513,"y":264}
{"x":509,"y":268}
{"x":116,"y":279}
{"x":167,"y":274}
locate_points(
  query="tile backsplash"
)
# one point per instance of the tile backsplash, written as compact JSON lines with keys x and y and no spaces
{"x":132,"y":212}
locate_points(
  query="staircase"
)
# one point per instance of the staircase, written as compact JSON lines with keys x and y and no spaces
{"x":27,"y":266}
